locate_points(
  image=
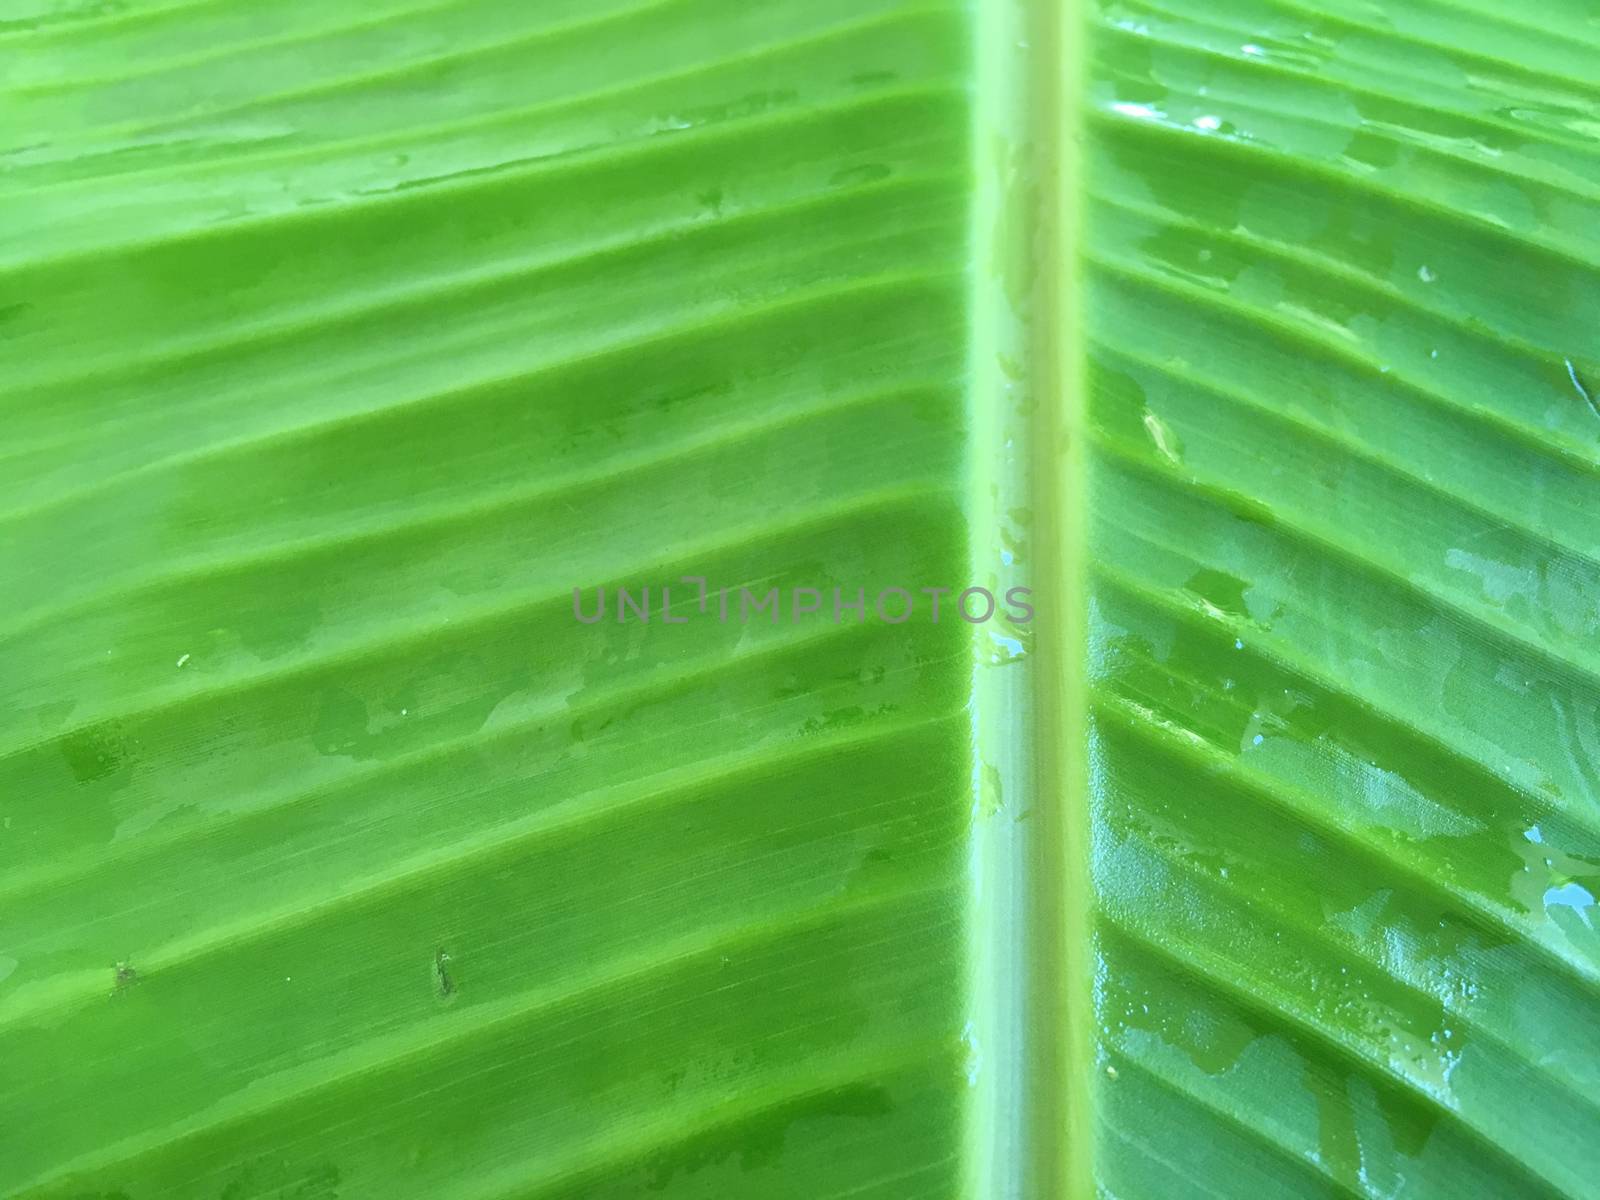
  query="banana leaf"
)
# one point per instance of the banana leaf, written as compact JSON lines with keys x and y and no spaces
{"x":887,"y":599}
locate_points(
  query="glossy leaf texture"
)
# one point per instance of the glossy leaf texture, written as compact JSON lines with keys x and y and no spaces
{"x":340,"y":342}
{"x":1345,"y":588}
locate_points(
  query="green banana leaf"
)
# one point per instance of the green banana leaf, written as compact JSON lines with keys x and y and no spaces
{"x":1228,"y":372}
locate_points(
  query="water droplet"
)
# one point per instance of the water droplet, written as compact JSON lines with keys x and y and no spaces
{"x":1574,"y":896}
{"x":1163,"y":437}
{"x":1140,"y":112}
{"x":1012,"y":647}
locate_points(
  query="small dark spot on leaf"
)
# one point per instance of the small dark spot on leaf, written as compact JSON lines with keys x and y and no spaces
{"x":93,"y":754}
{"x":441,"y":974}
{"x":869,"y":173}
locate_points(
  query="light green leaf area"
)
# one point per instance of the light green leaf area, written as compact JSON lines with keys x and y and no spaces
{"x":341,"y":341}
